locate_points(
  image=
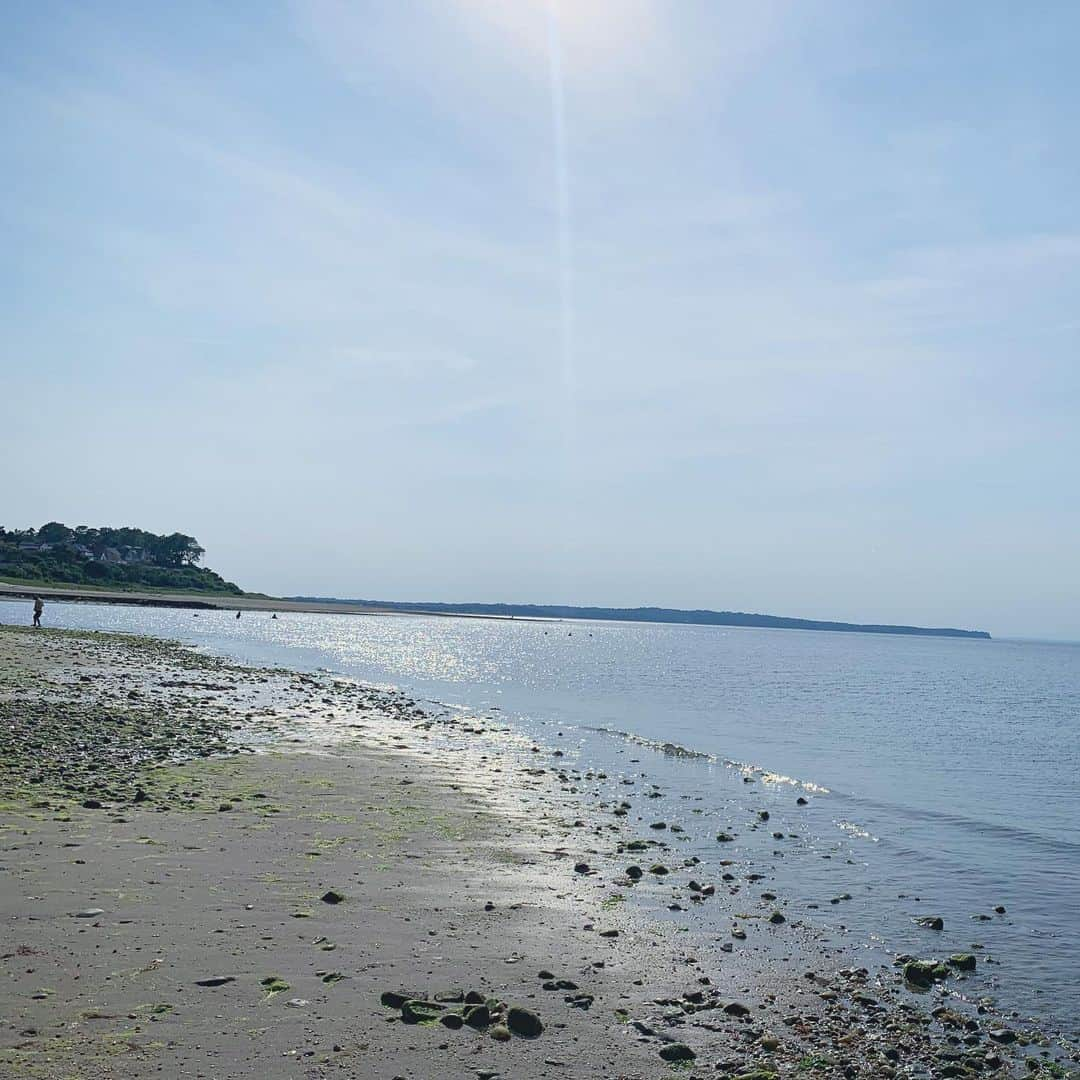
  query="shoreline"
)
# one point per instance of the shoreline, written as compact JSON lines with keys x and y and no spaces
{"x":221,"y":602}
{"x":250,"y":602}
{"x":198,"y":601}
{"x":462,"y":838}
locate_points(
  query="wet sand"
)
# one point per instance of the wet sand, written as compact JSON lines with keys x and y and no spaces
{"x":208,"y":870}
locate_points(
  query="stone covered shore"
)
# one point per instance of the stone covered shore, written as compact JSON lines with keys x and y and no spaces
{"x":208,"y":870}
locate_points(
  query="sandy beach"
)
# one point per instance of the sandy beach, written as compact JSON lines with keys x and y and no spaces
{"x":215,"y":871}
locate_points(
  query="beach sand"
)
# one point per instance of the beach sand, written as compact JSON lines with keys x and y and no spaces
{"x":243,"y":914}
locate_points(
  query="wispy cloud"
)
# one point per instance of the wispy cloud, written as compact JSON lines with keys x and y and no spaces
{"x":321,"y":247}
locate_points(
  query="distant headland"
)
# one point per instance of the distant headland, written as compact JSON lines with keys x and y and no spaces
{"x":701,"y":617}
{"x":104,"y":557}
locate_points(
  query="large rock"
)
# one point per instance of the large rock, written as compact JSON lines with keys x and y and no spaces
{"x":478,"y":1016}
{"x":413,"y":1012}
{"x":523,"y":1022}
{"x":677,"y":1052}
{"x":394,"y":999}
{"x":924,"y":973}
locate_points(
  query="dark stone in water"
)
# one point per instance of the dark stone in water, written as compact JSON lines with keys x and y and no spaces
{"x":931,"y":922}
{"x":451,"y":1020}
{"x":581,"y":868}
{"x":634,"y":873}
{"x":924,"y":973}
{"x":962,"y":961}
{"x":737,"y":1008}
{"x":332,"y":896}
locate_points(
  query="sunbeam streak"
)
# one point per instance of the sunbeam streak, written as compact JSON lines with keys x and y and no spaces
{"x":567,"y":359}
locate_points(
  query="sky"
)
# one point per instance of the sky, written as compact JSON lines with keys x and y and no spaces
{"x":765,"y":307}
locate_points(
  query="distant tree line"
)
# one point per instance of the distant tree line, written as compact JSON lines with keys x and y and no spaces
{"x":699,"y":617}
{"x":107,"y":556}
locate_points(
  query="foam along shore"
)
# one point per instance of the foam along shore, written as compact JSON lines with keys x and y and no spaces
{"x":238,"y":872}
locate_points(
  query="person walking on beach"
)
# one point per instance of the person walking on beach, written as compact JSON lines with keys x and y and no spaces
{"x":39,"y":607}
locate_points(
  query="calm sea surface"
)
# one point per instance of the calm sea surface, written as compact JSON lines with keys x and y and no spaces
{"x":943,"y":775}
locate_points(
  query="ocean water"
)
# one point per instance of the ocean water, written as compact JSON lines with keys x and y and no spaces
{"x":942,"y":776}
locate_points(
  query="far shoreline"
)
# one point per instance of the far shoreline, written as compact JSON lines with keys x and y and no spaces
{"x":328,"y":606}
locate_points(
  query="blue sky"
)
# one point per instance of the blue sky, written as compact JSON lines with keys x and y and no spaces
{"x":764,"y":306}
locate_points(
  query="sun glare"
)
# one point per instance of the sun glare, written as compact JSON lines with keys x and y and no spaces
{"x":602,"y":33}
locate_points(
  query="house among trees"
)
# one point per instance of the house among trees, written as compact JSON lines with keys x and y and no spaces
{"x":101,"y":556}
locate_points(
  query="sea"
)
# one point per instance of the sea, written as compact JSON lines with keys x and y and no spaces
{"x":941,"y":776}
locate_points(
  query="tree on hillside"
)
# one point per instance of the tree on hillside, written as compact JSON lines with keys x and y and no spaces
{"x":178,"y":550}
{"x":55,"y":532}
